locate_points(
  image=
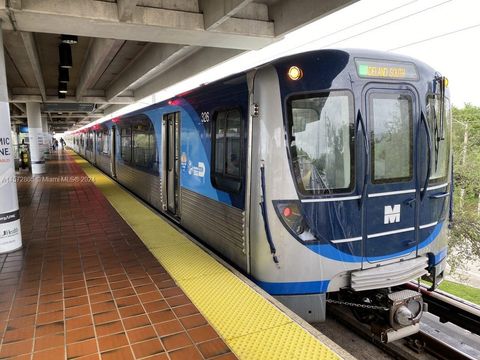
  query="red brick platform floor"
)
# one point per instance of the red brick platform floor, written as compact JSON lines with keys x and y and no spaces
{"x":84,"y":285}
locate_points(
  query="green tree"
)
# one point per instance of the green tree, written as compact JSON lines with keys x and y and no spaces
{"x":465,"y":234}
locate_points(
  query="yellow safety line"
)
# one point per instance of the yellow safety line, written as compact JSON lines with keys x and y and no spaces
{"x":250,"y":325}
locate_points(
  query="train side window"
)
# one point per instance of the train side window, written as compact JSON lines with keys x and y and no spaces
{"x":144,"y":146}
{"x":227,"y":150}
{"x":126,"y":144}
{"x":106,"y":142}
{"x":233,"y":144}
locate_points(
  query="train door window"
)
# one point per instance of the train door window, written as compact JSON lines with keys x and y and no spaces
{"x":320,"y":135}
{"x":90,"y":141}
{"x":126,"y":144}
{"x":105,"y":142}
{"x":99,"y":138}
{"x":227,"y":150}
{"x":391,"y":119}
{"x":440,"y":144}
{"x":144,"y":146}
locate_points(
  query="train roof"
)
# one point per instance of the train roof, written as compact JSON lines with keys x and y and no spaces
{"x":346,"y":54}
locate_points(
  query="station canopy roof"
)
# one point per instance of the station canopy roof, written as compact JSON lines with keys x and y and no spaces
{"x":83,"y":59}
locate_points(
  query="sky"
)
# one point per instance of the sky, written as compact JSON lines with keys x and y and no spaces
{"x":443,"y":33}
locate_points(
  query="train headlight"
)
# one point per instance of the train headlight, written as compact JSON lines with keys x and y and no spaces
{"x":406,"y":308}
{"x":295,"y":73}
{"x":403,"y":316}
{"x":415,"y":307}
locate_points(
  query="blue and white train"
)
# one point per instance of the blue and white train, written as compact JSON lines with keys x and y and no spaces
{"x":321,"y":174}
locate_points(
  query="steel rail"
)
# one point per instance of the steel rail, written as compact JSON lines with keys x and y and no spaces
{"x":409,"y":348}
{"x":450,"y":308}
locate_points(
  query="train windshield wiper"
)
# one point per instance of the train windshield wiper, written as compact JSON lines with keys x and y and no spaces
{"x":436,"y":134}
{"x":438,"y":121}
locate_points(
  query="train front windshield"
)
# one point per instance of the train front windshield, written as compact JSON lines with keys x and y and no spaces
{"x":321,"y":141}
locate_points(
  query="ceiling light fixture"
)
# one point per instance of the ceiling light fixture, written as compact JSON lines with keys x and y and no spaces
{"x":62,"y":88}
{"x":69,"y":39}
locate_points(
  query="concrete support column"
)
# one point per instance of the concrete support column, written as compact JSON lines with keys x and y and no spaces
{"x":10,"y":232}
{"x":35,"y":135}
{"x":46,"y":139}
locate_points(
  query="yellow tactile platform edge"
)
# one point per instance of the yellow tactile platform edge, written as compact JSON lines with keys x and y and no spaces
{"x":250,"y":325}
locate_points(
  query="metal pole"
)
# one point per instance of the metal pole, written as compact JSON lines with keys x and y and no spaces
{"x":464,"y":160}
{"x":478,"y":206}
{"x":10,"y":232}
{"x":465,"y":143}
{"x":464,"y":156}
{"x":46,"y":139}
{"x":35,"y":135}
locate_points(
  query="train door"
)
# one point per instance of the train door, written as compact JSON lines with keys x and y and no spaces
{"x":95,"y":144}
{"x":390,"y":191}
{"x":113,"y":151}
{"x":171,"y":162}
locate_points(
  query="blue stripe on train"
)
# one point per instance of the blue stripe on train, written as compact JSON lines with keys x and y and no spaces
{"x":442,"y":254}
{"x":321,"y":286}
{"x":292,"y":288}
{"x":330,"y":252}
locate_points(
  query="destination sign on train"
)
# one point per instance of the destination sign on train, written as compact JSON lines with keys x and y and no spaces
{"x":386,"y":70}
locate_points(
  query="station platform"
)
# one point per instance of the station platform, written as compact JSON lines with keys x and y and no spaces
{"x":101,"y":275}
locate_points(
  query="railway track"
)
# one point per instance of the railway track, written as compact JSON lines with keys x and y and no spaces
{"x":450,"y":308}
{"x":449,"y":331}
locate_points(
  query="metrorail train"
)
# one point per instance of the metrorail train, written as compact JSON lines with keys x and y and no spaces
{"x":325,"y":176}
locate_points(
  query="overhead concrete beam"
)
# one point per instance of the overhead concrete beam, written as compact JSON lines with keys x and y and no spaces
{"x":54,"y":91}
{"x":65,"y":120}
{"x":63,"y":116}
{"x":16,"y":4}
{"x":85,"y":120}
{"x":109,"y":109}
{"x":216,"y":12}
{"x":155,"y":59}
{"x":76,"y":116}
{"x":99,"y":56}
{"x":288,"y":15}
{"x":202,"y":60}
{"x":49,"y":116}
{"x":32,"y":54}
{"x":20,"y":107}
{"x":125,"y":9}
{"x":71,"y":99}
{"x":100,"y":19}
{"x":62,"y":122}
